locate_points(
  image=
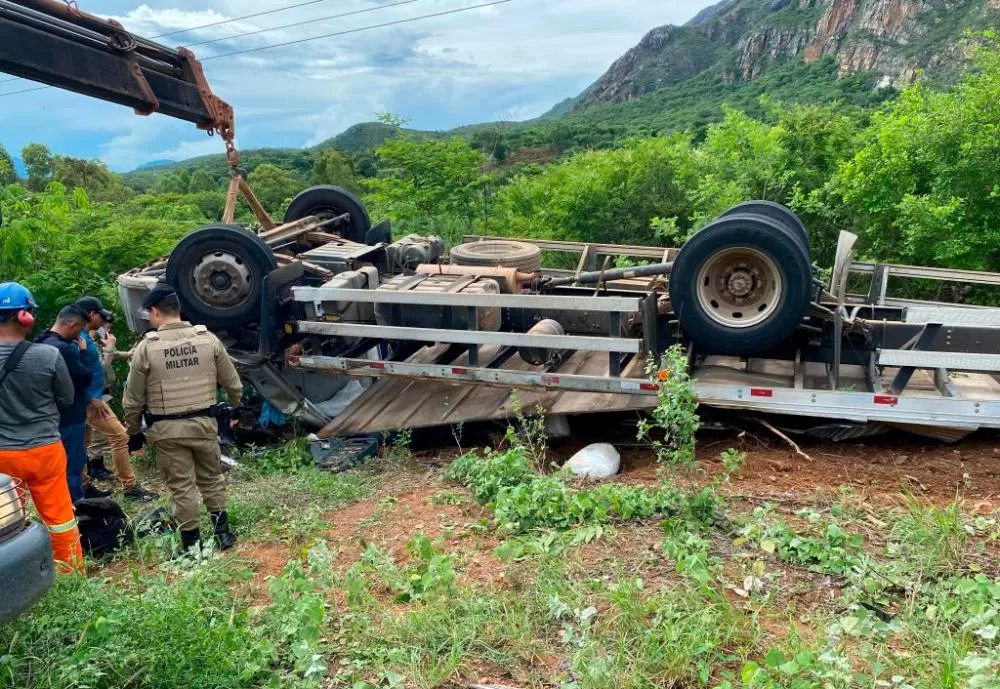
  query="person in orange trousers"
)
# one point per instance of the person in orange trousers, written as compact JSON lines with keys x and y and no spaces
{"x":34,"y":383}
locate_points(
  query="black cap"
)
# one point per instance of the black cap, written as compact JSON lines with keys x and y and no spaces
{"x":160,"y":292}
{"x":107,"y":315}
{"x":89,"y":304}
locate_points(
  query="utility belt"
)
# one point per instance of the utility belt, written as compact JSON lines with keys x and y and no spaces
{"x":216,"y":411}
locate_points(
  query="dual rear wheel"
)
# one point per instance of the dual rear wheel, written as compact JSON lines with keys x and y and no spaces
{"x":743,"y":283}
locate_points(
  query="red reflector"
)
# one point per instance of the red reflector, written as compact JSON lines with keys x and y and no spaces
{"x":886,"y":399}
{"x":761,"y":392}
{"x":376,"y":364}
{"x":459,"y":371}
{"x":649,"y":386}
{"x":550,"y":380}
{"x":292,"y":360}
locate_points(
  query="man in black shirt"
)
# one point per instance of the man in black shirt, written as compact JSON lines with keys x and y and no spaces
{"x":65,"y":336}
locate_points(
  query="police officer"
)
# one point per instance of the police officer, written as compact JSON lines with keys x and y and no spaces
{"x":174,"y":378}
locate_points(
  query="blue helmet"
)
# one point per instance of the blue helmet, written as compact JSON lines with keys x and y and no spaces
{"x":15,"y":297}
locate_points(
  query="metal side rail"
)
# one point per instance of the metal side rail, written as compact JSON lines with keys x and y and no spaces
{"x":856,"y":406}
{"x":313,"y":295}
{"x":470,"y":374}
{"x":472,"y":337}
{"x":913,"y":358}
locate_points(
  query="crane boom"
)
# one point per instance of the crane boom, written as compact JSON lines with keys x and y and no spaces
{"x":58,"y":44}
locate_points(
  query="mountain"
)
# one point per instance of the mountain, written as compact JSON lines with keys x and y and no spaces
{"x":738,"y":53}
{"x":739,"y":41}
{"x":155,"y":163}
{"x":364,"y":137}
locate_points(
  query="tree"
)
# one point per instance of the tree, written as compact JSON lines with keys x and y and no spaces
{"x":923,"y":187}
{"x":171,"y":184}
{"x":38,"y":161}
{"x":201,"y":181}
{"x":92,"y":176}
{"x":334,"y":167}
{"x":272,"y":185}
{"x":604,"y":196}
{"x":8,"y":175}
{"x":421,"y":180}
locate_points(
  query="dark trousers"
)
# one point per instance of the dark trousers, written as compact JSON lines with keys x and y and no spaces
{"x":72,"y":436}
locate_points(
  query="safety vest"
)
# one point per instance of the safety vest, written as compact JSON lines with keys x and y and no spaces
{"x":182,"y":376}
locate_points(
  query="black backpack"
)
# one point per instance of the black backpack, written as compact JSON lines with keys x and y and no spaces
{"x":104,"y":527}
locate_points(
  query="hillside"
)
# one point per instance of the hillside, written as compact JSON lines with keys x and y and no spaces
{"x":738,"y":41}
{"x":857,"y":52}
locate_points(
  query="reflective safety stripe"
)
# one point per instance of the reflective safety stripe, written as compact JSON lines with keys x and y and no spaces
{"x":62,"y":528}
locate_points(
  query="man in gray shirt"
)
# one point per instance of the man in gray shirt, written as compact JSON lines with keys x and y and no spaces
{"x":34,"y":383}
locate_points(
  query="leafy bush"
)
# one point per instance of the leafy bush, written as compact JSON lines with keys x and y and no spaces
{"x":675,"y":413}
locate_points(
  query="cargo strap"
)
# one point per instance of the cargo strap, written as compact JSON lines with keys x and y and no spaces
{"x":14,"y":359}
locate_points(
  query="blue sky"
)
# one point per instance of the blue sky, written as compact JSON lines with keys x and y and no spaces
{"x":514,"y":60}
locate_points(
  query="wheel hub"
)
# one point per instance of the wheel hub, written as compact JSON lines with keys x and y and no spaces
{"x":222,"y":279}
{"x":740,"y":283}
{"x":739,"y":287}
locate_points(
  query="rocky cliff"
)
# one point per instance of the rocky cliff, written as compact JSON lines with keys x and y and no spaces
{"x":740,"y":40}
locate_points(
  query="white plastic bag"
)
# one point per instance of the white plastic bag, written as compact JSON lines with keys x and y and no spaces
{"x":599,"y":460}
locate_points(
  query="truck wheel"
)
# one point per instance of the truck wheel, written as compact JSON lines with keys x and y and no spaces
{"x":327,"y":201}
{"x":499,"y":252}
{"x":218,"y":273}
{"x":776,"y":213}
{"x":741,"y":285}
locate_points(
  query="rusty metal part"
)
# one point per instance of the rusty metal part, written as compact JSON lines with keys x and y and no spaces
{"x":232,"y":192}
{"x":258,"y":210}
{"x":298,"y":228}
{"x":56,"y":43}
{"x":510,"y":279}
{"x":598,"y":276}
{"x":223,"y":118}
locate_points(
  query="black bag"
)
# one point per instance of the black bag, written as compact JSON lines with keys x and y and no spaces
{"x":104,"y":526}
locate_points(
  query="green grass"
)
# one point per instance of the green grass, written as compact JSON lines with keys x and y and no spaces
{"x":291,"y":507}
{"x":612,"y":596}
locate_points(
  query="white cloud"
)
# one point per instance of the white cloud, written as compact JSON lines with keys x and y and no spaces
{"x":518,"y":58}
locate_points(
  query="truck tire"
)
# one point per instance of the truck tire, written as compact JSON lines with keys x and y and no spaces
{"x":499,"y":252}
{"x":741,"y":285}
{"x":776,"y":213}
{"x":330,"y":201}
{"x":218,"y":273}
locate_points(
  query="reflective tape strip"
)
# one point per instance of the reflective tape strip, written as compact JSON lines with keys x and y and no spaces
{"x":62,"y":528}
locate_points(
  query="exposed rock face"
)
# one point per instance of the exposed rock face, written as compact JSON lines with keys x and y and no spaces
{"x":743,"y":39}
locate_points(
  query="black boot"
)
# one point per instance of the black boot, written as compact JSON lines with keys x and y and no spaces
{"x":190,"y":541}
{"x":92,"y":491}
{"x":97,"y":469}
{"x":223,"y":536}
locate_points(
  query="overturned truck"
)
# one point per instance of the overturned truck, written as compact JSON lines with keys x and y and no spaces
{"x":324,"y":301}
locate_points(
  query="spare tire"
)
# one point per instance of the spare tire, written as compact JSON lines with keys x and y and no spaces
{"x":218,"y":273}
{"x":777,"y":213}
{"x":328,"y":201}
{"x":741,"y":285}
{"x":499,"y":252}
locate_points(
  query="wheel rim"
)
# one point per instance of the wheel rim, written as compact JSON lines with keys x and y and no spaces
{"x":739,"y":287}
{"x":221,"y":279}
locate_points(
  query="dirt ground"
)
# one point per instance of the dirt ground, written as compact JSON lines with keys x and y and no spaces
{"x":879,"y":470}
